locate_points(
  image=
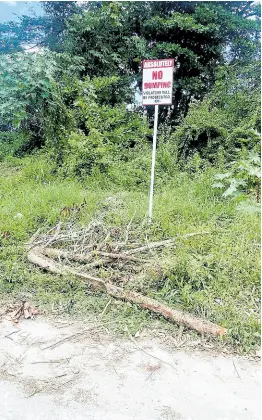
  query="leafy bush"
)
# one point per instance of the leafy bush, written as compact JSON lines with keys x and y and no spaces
{"x":82,"y":122}
{"x":229,"y":116}
{"x":105,"y":133}
{"x":241,"y":181}
{"x":31,"y":99}
{"x":11,"y":142}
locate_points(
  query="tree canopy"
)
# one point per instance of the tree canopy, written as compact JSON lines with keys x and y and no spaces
{"x":215,"y":45}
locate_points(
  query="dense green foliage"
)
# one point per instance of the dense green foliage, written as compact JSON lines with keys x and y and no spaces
{"x":228,"y":117}
{"x":114,"y":37}
{"x":71,"y":128}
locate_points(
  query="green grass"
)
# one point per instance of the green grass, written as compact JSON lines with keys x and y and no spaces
{"x":216,"y":275}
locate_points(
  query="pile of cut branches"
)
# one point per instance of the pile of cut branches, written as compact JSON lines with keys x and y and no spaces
{"x":86,"y":252}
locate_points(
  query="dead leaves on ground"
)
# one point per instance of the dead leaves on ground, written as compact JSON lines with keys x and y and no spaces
{"x":21,"y":310}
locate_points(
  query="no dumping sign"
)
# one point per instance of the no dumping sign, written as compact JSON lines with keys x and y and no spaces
{"x":157,"y":82}
{"x":157,"y":90}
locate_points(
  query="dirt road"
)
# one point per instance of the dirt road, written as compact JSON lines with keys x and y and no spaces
{"x":60,"y":371}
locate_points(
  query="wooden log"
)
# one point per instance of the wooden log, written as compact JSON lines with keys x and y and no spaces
{"x":180,"y":317}
{"x":36,"y":257}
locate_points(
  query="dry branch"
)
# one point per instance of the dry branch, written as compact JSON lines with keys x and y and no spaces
{"x":151,"y":245}
{"x":52,"y":252}
{"x":121,"y":256}
{"x":202,"y":326}
{"x":60,"y":253}
{"x":36,"y":257}
{"x":164,"y":243}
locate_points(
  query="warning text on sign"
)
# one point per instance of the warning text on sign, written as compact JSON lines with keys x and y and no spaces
{"x":157,"y":82}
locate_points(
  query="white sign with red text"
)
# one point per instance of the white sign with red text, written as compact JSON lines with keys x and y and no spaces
{"x":157,"y":82}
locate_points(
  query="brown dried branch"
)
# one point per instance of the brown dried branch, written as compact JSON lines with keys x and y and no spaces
{"x":201,"y":326}
{"x":121,"y":256}
{"x":52,"y":252}
{"x":61,"y":253}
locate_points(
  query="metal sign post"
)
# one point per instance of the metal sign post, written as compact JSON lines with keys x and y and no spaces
{"x":153,"y":165}
{"x":157,"y":90}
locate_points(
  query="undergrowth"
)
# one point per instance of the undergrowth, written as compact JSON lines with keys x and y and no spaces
{"x":215,"y":275}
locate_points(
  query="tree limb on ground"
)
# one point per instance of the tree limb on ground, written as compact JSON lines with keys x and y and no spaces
{"x":202,"y":326}
{"x":125,"y":255}
{"x":52,"y":252}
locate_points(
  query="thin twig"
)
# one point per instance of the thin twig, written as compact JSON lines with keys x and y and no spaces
{"x":128,"y":227}
{"x":36,"y":391}
{"x":151,"y":245}
{"x":72,"y":336}
{"x":98,"y":263}
{"x":236,"y":370}
{"x":121,"y":256}
{"x":12,"y":332}
{"x":148,"y":354}
{"x":164,"y":243}
{"x":105,"y":308}
{"x":49,"y":361}
{"x":58,"y":227}
{"x":149,"y":376}
{"x":64,"y":383}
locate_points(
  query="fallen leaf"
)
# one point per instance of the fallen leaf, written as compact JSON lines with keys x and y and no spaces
{"x":34,"y":311}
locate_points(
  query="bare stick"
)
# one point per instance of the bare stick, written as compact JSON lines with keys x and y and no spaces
{"x":153,"y":371}
{"x":121,"y":256}
{"x":105,"y":308}
{"x":37,"y":390}
{"x":151,"y":245}
{"x":180,"y":317}
{"x":48,"y":361}
{"x":144,"y":351}
{"x":164,"y":243}
{"x":52,"y":252}
{"x":72,"y":336}
{"x":128,"y":227}
{"x":236,"y":370}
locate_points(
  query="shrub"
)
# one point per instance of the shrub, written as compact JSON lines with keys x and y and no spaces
{"x":11,"y":143}
{"x":242,"y":181}
{"x":229,"y":116}
{"x":106,"y":133}
{"x":31,"y":99}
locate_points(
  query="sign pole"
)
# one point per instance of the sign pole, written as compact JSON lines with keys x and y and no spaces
{"x":153,"y":165}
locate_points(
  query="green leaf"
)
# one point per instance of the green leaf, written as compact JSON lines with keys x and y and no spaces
{"x":218,"y":185}
{"x":249,"y":208}
{"x":230,"y":190}
{"x":223,"y":176}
